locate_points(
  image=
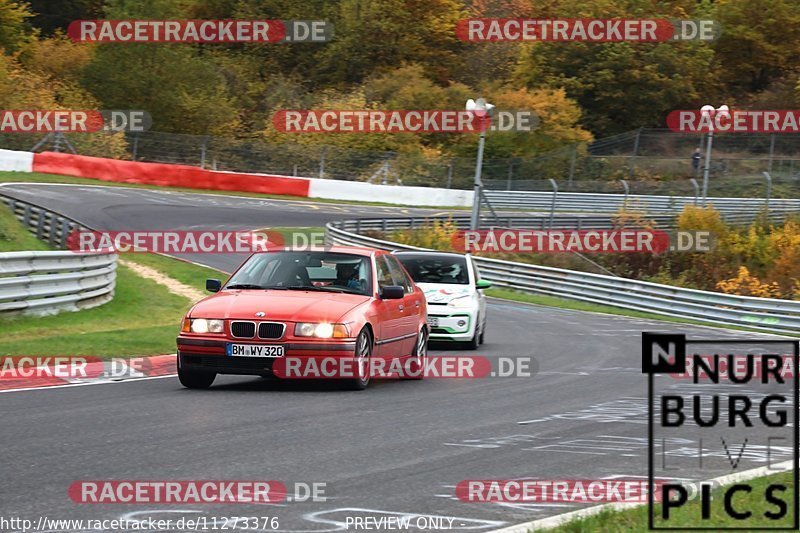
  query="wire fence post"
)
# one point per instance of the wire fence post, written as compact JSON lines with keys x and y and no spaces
{"x":635,"y":153}
{"x":771,"y":152}
{"x":696,"y":190}
{"x":768,"y":177}
{"x":322,"y":164}
{"x":573,"y":158}
{"x":135,"y":147}
{"x":627,"y":191}
{"x":510,"y":175}
{"x":450,"y":175}
{"x":203,"y":148}
{"x":553,"y":203}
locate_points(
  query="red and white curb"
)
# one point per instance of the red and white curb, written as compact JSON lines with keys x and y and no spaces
{"x":156,"y":366}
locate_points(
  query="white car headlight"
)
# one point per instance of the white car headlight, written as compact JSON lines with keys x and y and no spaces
{"x":204,"y":325}
{"x":461,"y":303}
{"x":322,"y":330}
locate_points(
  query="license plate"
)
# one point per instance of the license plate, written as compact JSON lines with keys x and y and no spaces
{"x":433,"y":321}
{"x":254,"y":350}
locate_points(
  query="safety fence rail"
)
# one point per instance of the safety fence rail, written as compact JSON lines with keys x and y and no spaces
{"x":763,"y":314}
{"x":48,"y":282}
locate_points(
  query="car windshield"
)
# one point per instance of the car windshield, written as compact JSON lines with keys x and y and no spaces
{"x":318,"y":271}
{"x":450,"y":269}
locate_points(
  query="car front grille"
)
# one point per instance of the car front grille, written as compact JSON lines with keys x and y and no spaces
{"x":271,"y":330}
{"x":243,"y":330}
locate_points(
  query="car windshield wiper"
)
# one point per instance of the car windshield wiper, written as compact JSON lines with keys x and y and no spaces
{"x":323,"y":288}
{"x":245,"y":286}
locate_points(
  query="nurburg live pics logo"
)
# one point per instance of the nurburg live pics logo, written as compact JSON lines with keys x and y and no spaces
{"x":740,"y":405}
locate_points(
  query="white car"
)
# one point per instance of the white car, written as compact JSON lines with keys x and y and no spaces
{"x":454,"y":292}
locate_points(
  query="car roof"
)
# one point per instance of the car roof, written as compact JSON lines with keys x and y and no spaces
{"x":355,"y":250}
{"x":429,"y":254}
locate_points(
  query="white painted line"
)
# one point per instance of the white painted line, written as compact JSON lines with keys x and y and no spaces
{"x":99,"y":382}
{"x":557,"y":520}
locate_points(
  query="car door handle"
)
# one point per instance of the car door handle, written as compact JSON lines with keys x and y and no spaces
{"x":400,"y":307}
{"x":416,"y":303}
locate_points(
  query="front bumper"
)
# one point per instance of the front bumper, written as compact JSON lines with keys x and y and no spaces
{"x":209,"y":355}
{"x":456,"y":326}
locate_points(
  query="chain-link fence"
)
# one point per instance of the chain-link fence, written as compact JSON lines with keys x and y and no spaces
{"x":650,"y":161}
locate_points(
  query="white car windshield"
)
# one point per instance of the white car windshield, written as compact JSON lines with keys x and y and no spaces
{"x":449,"y":269}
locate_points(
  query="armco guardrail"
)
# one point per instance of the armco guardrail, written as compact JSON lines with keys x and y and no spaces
{"x":610,"y":203}
{"x":43,"y":283}
{"x":769,"y":315}
{"x":46,"y":225}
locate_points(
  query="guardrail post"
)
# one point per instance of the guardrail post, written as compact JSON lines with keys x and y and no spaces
{"x":769,"y":190}
{"x":26,"y":216}
{"x":553,"y":204}
{"x":64,"y":232}
{"x":383,"y":224}
{"x":51,"y":238}
{"x":40,"y":225}
{"x":358,"y":226}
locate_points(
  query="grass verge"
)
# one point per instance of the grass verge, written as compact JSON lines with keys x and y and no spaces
{"x":688,"y":516}
{"x":552,"y":301}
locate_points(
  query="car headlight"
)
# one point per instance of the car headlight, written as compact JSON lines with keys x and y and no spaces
{"x":461,"y":303}
{"x":204,"y":325}
{"x":321,"y":330}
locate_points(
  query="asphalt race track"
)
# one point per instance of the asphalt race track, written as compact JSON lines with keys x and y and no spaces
{"x":398,"y":448}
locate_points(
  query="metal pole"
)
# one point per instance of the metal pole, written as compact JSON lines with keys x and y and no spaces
{"x":510,"y":174}
{"x":627,"y":191}
{"x":572,"y":165}
{"x":553,"y":203}
{"x":477,"y":185}
{"x":203,"y":152}
{"x":322,"y":164}
{"x":708,"y":165}
{"x":449,"y":174}
{"x":696,"y":189}
{"x":771,"y":152}
{"x":769,"y":189}
{"x":135,"y":146}
{"x":635,"y":153}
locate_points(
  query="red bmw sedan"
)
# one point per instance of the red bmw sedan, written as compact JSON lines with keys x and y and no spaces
{"x":283,"y":309}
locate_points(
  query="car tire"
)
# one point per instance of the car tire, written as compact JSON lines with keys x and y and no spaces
{"x":474,"y":342}
{"x":418,"y":362}
{"x":196,"y":380}
{"x":483,"y":332}
{"x":362,"y":355}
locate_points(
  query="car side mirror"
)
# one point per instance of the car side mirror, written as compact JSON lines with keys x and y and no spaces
{"x":392,"y":292}
{"x":213,"y":285}
{"x":483,"y":284}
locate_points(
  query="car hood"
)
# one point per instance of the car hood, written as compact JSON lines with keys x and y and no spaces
{"x":290,"y":306}
{"x":443,"y":293}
